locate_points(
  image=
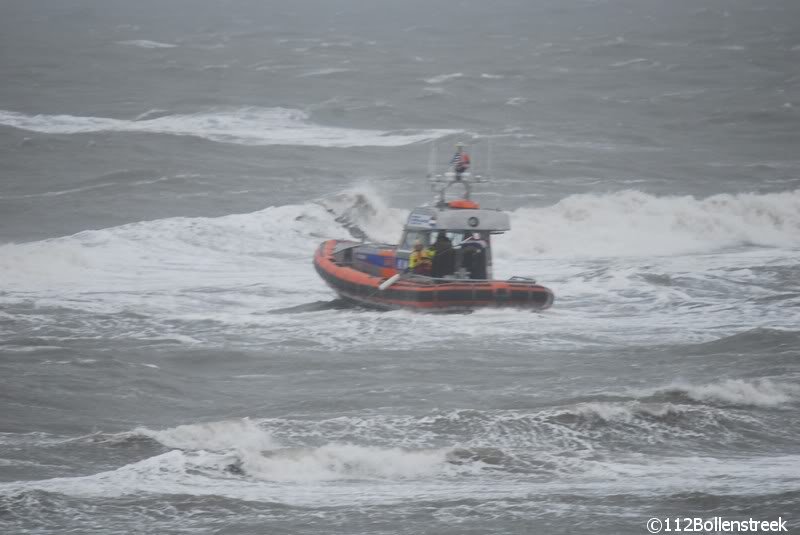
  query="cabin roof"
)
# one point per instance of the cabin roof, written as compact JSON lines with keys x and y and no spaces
{"x":431,"y":218}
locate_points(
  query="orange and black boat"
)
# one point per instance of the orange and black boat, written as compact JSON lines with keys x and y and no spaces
{"x":459,"y":274}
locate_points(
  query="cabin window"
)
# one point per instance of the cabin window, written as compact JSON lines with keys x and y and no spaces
{"x":461,"y":235}
{"x":454,"y":237}
{"x":412,"y":236}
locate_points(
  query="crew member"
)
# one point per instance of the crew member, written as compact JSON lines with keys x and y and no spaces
{"x":473,"y":239}
{"x":473,"y":255}
{"x":444,"y":258}
{"x":420,"y":259}
{"x":460,"y":161}
{"x":442,"y":243}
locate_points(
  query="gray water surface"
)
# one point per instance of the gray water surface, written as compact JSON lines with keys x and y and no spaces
{"x":171,"y":363}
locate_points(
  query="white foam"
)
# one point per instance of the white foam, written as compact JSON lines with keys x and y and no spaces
{"x":255,"y":451}
{"x":163,"y":254}
{"x":241,"y":460}
{"x":325,"y":72}
{"x":391,"y":476}
{"x":348,"y":461}
{"x":592,"y":250}
{"x":632,"y":223}
{"x":243,"y":126}
{"x":215,"y":67}
{"x":128,"y":479}
{"x":679,"y":474}
{"x":444,"y":78}
{"x":626,"y":412}
{"x":629,"y":62}
{"x":144,"y":43}
{"x":756,"y":393}
{"x":363,"y":205}
{"x":324,"y":478}
{"x":232,"y":270}
{"x":215,"y":436}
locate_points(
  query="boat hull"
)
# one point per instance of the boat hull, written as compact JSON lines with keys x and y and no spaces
{"x":425,"y":294}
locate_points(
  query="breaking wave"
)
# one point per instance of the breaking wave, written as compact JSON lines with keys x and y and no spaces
{"x":242,"y":126}
{"x":347,"y":461}
{"x":632,"y":223}
{"x":242,"y":247}
{"x":243,"y":447}
{"x":232,"y":247}
{"x":600,"y":438}
{"x":162,"y":254}
{"x":757,"y":393}
{"x":252,"y":450}
{"x":213,"y":436}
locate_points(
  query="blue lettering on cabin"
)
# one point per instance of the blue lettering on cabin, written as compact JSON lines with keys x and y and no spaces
{"x":421,"y":220}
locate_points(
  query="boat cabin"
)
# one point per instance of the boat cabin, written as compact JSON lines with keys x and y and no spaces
{"x":459,"y":233}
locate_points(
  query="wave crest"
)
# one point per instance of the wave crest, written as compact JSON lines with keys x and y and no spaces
{"x":632,"y":223}
{"x":241,"y":126}
{"x":757,"y":393}
{"x":213,"y":436}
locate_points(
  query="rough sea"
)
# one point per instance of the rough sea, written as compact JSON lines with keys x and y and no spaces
{"x":170,"y":362}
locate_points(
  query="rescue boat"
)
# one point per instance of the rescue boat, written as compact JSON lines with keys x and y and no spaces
{"x":377,"y":275}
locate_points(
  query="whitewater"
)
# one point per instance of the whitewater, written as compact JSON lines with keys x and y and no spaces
{"x":249,"y":126}
{"x":633,"y":256}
